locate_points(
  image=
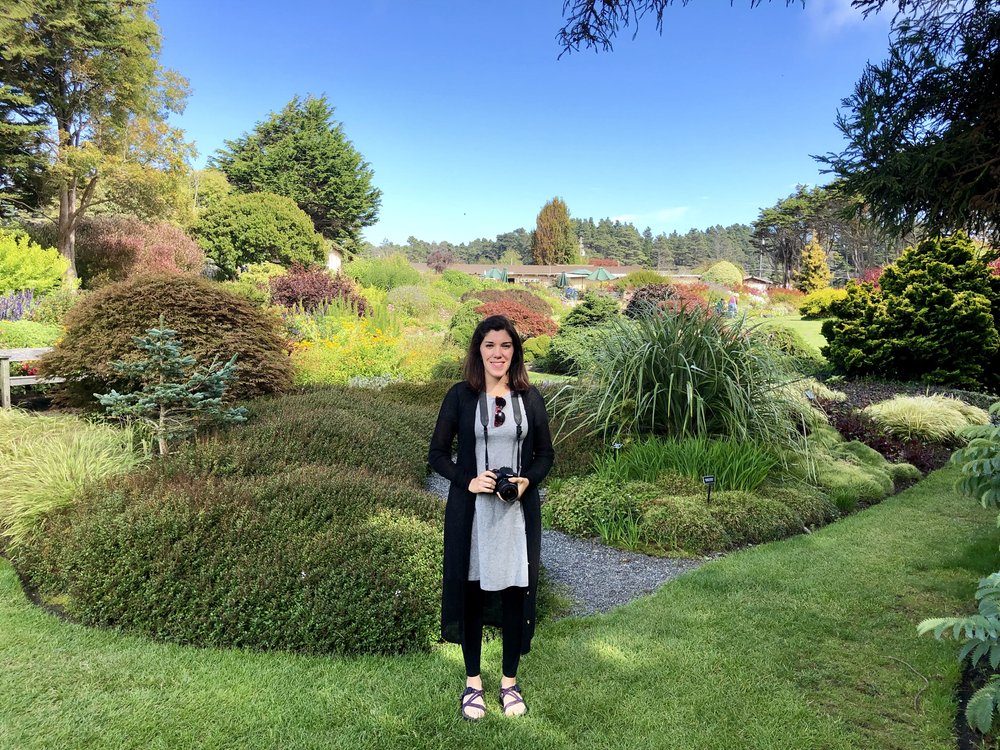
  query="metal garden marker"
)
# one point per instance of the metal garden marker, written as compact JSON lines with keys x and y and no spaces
{"x":709,"y":481}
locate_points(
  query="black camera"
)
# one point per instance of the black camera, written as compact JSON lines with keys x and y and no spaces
{"x":506,"y":489}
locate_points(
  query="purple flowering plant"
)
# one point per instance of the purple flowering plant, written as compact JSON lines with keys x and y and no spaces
{"x":17,"y":305}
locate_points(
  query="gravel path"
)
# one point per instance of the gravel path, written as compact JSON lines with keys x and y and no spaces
{"x":596,"y":577}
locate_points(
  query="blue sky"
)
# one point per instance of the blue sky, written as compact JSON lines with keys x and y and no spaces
{"x":471,"y":123}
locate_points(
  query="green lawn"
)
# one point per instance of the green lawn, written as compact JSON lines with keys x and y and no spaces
{"x":809,"y":329}
{"x":805,"y":643}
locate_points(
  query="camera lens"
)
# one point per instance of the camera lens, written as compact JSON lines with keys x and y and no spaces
{"x":507,"y":490}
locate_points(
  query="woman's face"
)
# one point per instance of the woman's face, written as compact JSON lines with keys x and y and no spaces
{"x":497,"y":350}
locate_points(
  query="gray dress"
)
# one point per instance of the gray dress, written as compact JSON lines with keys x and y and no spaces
{"x":498,"y":557}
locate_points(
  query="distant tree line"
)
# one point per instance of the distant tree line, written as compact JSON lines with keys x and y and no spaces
{"x":606,"y":238}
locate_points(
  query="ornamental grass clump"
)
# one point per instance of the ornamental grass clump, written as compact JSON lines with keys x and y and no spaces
{"x":936,"y":418}
{"x":736,"y":465}
{"x":45,"y":461}
{"x":682,"y":374}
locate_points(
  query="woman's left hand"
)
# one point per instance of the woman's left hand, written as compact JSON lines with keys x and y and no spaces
{"x":522,"y":485}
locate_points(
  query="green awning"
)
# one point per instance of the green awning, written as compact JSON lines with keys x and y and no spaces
{"x":600,"y":274}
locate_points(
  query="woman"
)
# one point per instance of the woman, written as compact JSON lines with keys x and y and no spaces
{"x":491,"y":544}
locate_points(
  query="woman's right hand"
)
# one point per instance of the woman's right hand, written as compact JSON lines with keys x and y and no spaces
{"x":484,"y":483}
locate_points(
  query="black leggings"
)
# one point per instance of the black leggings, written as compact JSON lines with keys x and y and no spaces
{"x":513,"y":627}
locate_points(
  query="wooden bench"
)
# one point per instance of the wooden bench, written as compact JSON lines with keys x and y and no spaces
{"x":19,"y":355}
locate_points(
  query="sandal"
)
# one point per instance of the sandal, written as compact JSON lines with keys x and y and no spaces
{"x":468,"y":700}
{"x":514,"y":691}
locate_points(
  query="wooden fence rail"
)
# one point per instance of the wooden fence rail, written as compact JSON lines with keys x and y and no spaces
{"x":19,"y":355}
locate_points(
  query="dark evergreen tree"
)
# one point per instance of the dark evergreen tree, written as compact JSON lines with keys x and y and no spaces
{"x":303,"y":154}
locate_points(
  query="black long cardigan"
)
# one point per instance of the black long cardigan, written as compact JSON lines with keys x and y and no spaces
{"x":458,"y":416}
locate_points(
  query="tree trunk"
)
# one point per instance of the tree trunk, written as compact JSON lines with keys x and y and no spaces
{"x":66,"y":242}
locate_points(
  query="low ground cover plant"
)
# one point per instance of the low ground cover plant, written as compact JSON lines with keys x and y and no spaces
{"x":306,"y":529}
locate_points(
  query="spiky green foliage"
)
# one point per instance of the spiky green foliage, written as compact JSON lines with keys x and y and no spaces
{"x":684,"y":373}
{"x":935,"y":418}
{"x":935,"y":316}
{"x":176,"y":397}
{"x":46,"y":460}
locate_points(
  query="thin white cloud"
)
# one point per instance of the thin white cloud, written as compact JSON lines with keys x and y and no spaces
{"x":832,"y":16}
{"x":626,"y":218}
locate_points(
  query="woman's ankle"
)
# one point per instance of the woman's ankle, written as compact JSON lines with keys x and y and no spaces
{"x":474,"y":682}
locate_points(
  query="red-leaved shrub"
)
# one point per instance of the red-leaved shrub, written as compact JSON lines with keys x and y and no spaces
{"x":520,"y":297}
{"x":871,"y":276}
{"x":313,"y":287}
{"x":115,"y":248}
{"x":688,"y":297}
{"x":781,"y":296}
{"x":606,"y":262}
{"x":527,"y":322}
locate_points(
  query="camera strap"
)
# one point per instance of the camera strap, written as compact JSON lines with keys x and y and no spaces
{"x":484,"y":419}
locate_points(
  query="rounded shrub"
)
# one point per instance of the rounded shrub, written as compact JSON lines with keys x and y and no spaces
{"x":817,"y":304}
{"x":683,"y":524}
{"x":210,"y":322}
{"x":646,"y":297}
{"x":813,"y":506}
{"x":313,"y":560}
{"x":904,"y":473}
{"x":463,"y":322}
{"x":581,"y":502}
{"x":641,"y":278}
{"x":574,"y":350}
{"x":593,"y":310}
{"x":537,"y":348}
{"x":933,"y":418}
{"x":724,"y":274}
{"x":256,"y":228}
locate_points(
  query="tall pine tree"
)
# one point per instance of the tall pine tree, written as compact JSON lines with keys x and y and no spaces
{"x":554,"y":240}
